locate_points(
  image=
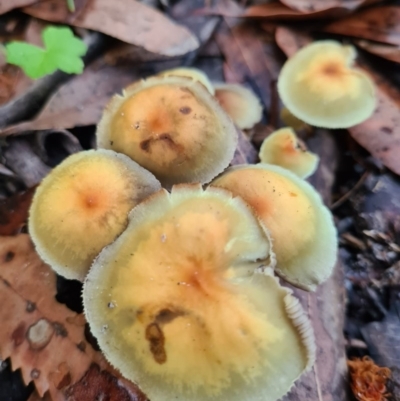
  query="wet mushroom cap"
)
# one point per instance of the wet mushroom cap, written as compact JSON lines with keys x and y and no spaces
{"x":240,"y":103}
{"x":301,"y":227}
{"x":171,"y":126}
{"x":283,"y":148}
{"x":83,"y":205}
{"x":179,"y":306}
{"x":193,"y":73}
{"x":320,"y":86}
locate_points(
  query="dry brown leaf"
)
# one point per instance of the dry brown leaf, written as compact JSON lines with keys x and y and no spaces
{"x":13,"y":82}
{"x":245,"y":152}
{"x":381,"y":24}
{"x":287,"y":10}
{"x":388,"y":52}
{"x":56,"y":11}
{"x":8,"y":5}
{"x":130,"y":21}
{"x":380,"y":134}
{"x":80,"y":101}
{"x":306,"y":6}
{"x":290,"y":40}
{"x":44,"y":338}
{"x":249,"y":56}
{"x":14,"y":212}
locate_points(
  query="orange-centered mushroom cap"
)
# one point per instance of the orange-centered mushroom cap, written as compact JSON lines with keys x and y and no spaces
{"x":83,"y":205}
{"x":179,"y":306}
{"x":240,"y":103}
{"x":171,"y":126}
{"x":283,"y":148}
{"x":320,"y":86}
{"x":301,"y":227}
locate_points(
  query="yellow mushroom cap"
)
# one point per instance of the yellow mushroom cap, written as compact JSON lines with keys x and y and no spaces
{"x":302,"y":229}
{"x":240,"y":103}
{"x":171,"y":126}
{"x":189,"y":72}
{"x":283,"y":148}
{"x":83,"y":205}
{"x":179,"y":305}
{"x":320,"y":86}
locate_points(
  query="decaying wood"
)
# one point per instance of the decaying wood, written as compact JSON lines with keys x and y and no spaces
{"x":327,"y":379}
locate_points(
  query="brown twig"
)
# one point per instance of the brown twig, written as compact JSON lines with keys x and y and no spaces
{"x":352,"y":191}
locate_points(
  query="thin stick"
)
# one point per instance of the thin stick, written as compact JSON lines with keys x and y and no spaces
{"x":352,"y":191}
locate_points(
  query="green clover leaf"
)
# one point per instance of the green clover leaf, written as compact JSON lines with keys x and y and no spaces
{"x":62,"y":51}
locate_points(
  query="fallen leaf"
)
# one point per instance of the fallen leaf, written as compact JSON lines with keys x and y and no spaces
{"x":388,"y":52}
{"x":306,"y":6}
{"x":14,"y":212}
{"x":44,"y":338}
{"x":21,"y":158}
{"x":102,"y":385}
{"x":381,"y":24}
{"x":279,"y":11}
{"x":379,"y":134}
{"x":291,"y":10}
{"x":8,"y":5}
{"x":130,"y":21}
{"x":290,"y":40}
{"x":80,"y":101}
{"x":55,"y":10}
{"x":13,"y":81}
{"x":250,"y":57}
{"x":245,"y":152}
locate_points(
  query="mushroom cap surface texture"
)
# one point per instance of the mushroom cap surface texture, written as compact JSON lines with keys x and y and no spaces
{"x":180,"y":306}
{"x":190,"y":72}
{"x":283,"y":148}
{"x":320,"y":86}
{"x":240,"y":103}
{"x":173,"y":127}
{"x":83,"y":205}
{"x":302,"y":229}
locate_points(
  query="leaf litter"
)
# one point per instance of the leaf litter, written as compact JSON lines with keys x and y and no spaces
{"x":250,"y":55}
{"x":45,"y":339}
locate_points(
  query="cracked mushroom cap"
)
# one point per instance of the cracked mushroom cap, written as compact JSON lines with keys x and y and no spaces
{"x":283,"y":148}
{"x":193,"y":73}
{"x":240,"y":103}
{"x":320,"y":86}
{"x":302,"y":229}
{"x":83,"y":205}
{"x":179,"y":305}
{"x":171,"y":126}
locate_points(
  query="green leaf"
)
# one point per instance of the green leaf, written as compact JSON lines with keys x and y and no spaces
{"x":62,"y":51}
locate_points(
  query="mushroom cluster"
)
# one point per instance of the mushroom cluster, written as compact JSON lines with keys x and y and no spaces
{"x":178,"y":253}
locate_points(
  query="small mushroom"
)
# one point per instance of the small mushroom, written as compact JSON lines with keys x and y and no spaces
{"x":240,"y":103}
{"x":193,"y":317}
{"x":171,"y":126}
{"x":301,"y":227}
{"x":283,"y":148}
{"x":320,"y":86}
{"x":190,"y":72}
{"x":83,"y":205}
